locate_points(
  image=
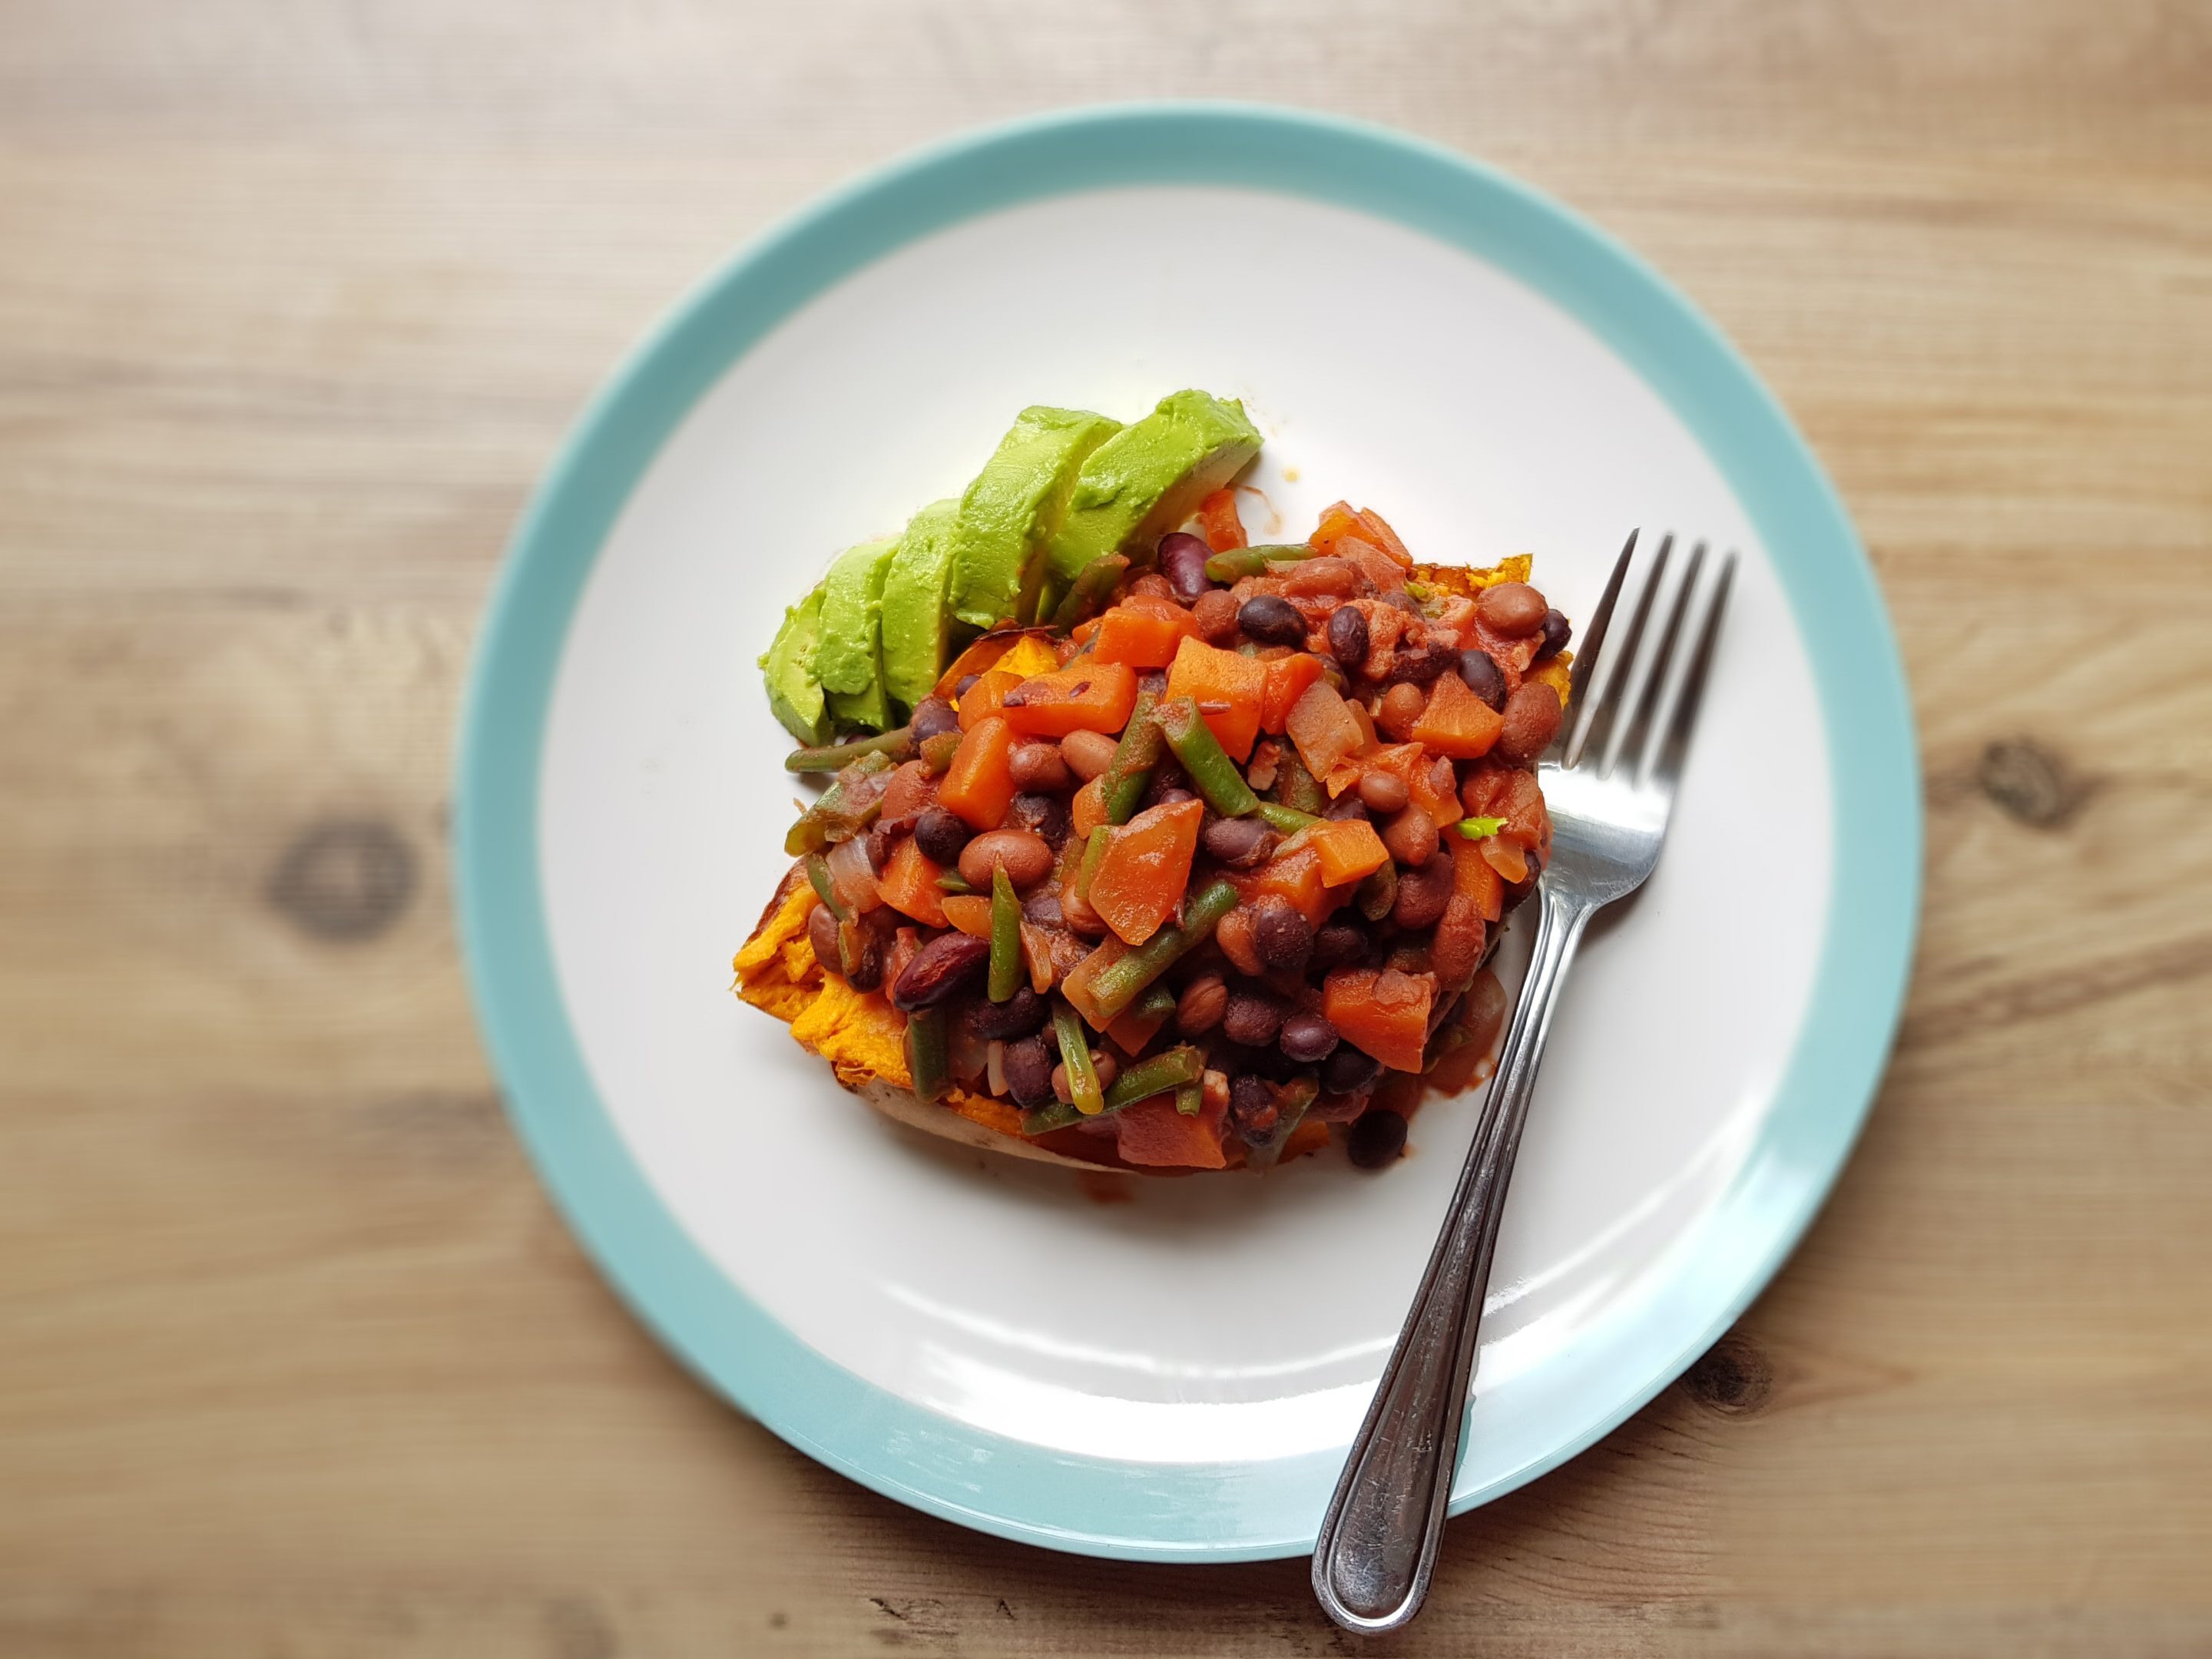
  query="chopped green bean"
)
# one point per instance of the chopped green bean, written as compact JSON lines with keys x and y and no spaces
{"x":1291,"y":1103}
{"x":927,"y":1053}
{"x":816,"y":825}
{"x":1156,"y":1004}
{"x":1377,"y":893}
{"x":1134,"y":758}
{"x":937,"y":752}
{"x":1296,"y":786}
{"x":1006,"y":971}
{"x":1175,"y":1070}
{"x":1120,"y":983}
{"x":898,"y":744}
{"x":953,"y":882}
{"x":1094,"y":854}
{"x":1189,"y":1098}
{"x":1287,"y":819}
{"x":1239,"y":562}
{"x":1086,"y":595}
{"x":825,"y":888}
{"x":1088,"y":1099}
{"x":1212,"y":774}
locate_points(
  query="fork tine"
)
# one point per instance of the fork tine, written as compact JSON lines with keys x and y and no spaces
{"x":1635,"y":747}
{"x":1586,"y":655}
{"x":1605,"y":702}
{"x":1667,"y":768}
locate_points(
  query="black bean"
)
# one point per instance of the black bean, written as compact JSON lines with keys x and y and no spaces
{"x":1153,"y":680}
{"x":1240,"y":843}
{"x":948,"y":965}
{"x":1042,"y":815}
{"x":933,"y":717}
{"x":941,"y":835}
{"x":1347,"y":636}
{"x":1399,"y":599}
{"x":867,"y":973}
{"x":1182,"y":561}
{"x":1252,"y":1019}
{"x":1271,"y":620}
{"x":1335,"y":946}
{"x":1348,"y":805}
{"x":1281,"y":935}
{"x":1418,"y":665}
{"x":1028,"y":1065}
{"x":1557,"y":630}
{"x":1017,"y":1017}
{"x":1482,"y":677}
{"x":1350,"y":1071}
{"x":967,"y":685}
{"x":1422,"y":895}
{"x":1378,"y":1139}
{"x":1307,"y":1038}
{"x":1253,"y":1110}
{"x":1042,"y":908}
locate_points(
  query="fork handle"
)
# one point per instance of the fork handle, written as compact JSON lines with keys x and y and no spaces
{"x":1379,"y":1541}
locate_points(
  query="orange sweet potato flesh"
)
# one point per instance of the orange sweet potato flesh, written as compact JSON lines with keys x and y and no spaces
{"x":1152,"y":1133}
{"x":1229,"y":690}
{"x":1288,"y":677}
{"x":1348,"y":849}
{"x":978,"y":659}
{"x":1147,"y":866}
{"x":1456,"y":722}
{"x":909,"y":885}
{"x":1384,"y":1013}
{"x":979,"y":785}
{"x":1142,"y":633}
{"x":1087,"y":695}
{"x":1217,"y":517}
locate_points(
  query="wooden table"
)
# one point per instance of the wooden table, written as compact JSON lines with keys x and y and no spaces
{"x":295,"y":301}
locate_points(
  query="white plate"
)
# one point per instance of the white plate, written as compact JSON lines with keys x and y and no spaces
{"x":1176,"y":1374}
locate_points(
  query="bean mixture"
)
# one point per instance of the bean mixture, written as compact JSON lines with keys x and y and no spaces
{"x":1214,"y":867}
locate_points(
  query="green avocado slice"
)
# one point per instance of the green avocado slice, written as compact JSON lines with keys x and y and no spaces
{"x":849,"y":659}
{"x":916,"y":623}
{"x":794,"y":696}
{"x":1149,"y":477}
{"x":1010,"y":513}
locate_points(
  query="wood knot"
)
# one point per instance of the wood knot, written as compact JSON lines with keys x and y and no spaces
{"x":2028,"y":783}
{"x":345,"y":879}
{"x":1734,"y":1378}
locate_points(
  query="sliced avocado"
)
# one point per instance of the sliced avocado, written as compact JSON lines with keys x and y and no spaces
{"x":794,"y":696}
{"x":915,"y":621}
{"x":849,"y":659}
{"x":1012,"y":512}
{"x":1149,"y":477}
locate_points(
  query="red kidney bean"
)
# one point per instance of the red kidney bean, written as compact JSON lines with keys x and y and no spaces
{"x":1348,"y":637}
{"x":948,"y":965}
{"x":1215,"y":613}
{"x":822,"y":934}
{"x":1182,"y":561}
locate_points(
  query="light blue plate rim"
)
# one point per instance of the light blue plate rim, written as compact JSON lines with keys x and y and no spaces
{"x":1132,"y":1510}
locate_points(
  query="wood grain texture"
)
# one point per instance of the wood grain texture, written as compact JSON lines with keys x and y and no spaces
{"x":294,"y":302}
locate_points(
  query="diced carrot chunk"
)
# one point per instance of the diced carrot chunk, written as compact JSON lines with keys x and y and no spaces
{"x":1337,"y":520}
{"x":1228,"y":689}
{"x":981,"y":658}
{"x":979,"y":785}
{"x":1323,"y":727}
{"x":1456,"y":722}
{"x":1474,"y":875}
{"x":1217,"y":516}
{"x":1088,"y":810}
{"x":1076,"y":987}
{"x":1384,"y":1014}
{"x":1295,"y":874}
{"x":1378,"y":532}
{"x":1503,"y":856}
{"x":1509,"y":793}
{"x":1133,"y":1030}
{"x":969,"y":911}
{"x":1288,"y":679}
{"x":1349,"y":850}
{"x":1143,"y":633}
{"x":1087,"y":695}
{"x":1146,"y":867}
{"x":985,"y":696}
{"x":912,"y":788}
{"x":909,"y":885}
{"x":1413,"y":766}
{"x":1153,"y":1133}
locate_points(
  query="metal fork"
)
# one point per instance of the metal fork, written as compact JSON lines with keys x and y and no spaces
{"x":1610,"y":788}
